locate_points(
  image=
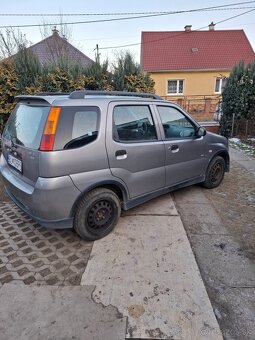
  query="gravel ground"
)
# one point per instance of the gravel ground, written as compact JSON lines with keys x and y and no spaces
{"x":234,"y":201}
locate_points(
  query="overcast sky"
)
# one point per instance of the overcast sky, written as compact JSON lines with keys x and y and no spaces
{"x":86,"y":36}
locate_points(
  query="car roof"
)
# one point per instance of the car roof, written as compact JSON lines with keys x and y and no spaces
{"x":107,"y":96}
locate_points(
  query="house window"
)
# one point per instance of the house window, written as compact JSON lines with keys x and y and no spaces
{"x":175,"y":86}
{"x":220,"y":84}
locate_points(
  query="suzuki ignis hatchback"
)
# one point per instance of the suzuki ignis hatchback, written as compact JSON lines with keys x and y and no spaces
{"x":76,"y":160}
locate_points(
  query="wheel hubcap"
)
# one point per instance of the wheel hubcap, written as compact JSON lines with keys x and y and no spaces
{"x":100,"y":215}
{"x":216,"y":172}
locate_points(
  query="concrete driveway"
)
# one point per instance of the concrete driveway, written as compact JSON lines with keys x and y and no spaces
{"x":140,"y":282}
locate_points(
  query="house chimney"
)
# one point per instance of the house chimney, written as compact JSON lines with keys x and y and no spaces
{"x":187,"y":28}
{"x":55,"y":31}
{"x":211,"y":26}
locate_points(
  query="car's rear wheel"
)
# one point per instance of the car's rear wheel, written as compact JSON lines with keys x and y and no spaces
{"x":96,"y":214}
{"x":215,"y":173}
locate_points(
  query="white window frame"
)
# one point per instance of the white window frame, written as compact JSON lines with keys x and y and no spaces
{"x":177,"y":93}
{"x":220,"y":87}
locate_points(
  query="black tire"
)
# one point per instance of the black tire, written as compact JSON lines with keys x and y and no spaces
{"x":96,"y":214}
{"x":215,"y":173}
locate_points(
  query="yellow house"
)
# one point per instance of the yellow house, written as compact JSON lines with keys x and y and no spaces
{"x":191,"y":67}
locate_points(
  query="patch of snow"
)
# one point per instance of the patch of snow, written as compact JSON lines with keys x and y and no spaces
{"x":235,"y":140}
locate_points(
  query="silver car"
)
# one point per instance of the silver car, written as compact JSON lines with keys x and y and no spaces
{"x":76,"y":160}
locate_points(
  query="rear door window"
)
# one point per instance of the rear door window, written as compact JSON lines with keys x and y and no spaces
{"x":133,"y":123}
{"x":77,"y":127}
{"x":26,"y":124}
{"x":84,"y":123}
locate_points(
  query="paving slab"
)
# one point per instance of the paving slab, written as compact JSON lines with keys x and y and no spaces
{"x":240,"y":303}
{"x":147,"y":270}
{"x":198,"y":213}
{"x":236,"y":155}
{"x":56,"y":313}
{"x":202,"y":219}
{"x":224,"y":261}
{"x":192,"y":194}
{"x":32,"y":254}
{"x":245,"y":161}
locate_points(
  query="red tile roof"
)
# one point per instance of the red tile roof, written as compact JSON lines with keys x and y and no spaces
{"x":194,"y":50}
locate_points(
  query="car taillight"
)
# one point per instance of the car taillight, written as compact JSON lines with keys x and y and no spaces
{"x":49,"y":132}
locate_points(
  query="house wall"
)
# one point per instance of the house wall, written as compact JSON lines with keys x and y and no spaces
{"x":199,"y":97}
{"x":195,"y":83}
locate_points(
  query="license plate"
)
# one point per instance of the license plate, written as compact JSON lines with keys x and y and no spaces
{"x":14,"y":162}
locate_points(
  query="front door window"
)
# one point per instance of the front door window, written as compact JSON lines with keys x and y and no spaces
{"x":175,"y":124}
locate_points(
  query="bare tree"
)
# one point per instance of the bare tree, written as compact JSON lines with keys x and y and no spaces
{"x":57,"y":49}
{"x":11,"y":41}
{"x":65,"y":31}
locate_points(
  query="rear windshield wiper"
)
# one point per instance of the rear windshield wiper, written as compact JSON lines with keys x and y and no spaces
{"x":15,"y":141}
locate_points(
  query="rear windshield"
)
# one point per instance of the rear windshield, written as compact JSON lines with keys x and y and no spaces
{"x":26,"y":124}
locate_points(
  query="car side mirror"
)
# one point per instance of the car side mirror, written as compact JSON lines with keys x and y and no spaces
{"x":201,"y":132}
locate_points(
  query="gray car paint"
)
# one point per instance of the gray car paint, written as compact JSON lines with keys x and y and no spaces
{"x":143,"y":168}
{"x":52,"y":182}
{"x":190,"y":158}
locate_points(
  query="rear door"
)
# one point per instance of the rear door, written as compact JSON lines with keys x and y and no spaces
{"x":21,"y":140}
{"x":135,"y":150}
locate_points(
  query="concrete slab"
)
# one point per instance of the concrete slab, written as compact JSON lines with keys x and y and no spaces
{"x":247,"y":164}
{"x":56,"y":313}
{"x":147,"y":270}
{"x":241,"y":303}
{"x":224,"y":261}
{"x":198,"y":213}
{"x":162,"y":205}
{"x":203,"y":219}
{"x":245,"y":161}
{"x":236,"y":155}
{"x":192,"y":194}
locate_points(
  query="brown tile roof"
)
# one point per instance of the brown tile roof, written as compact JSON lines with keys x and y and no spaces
{"x":55,"y":47}
{"x":193,"y":50}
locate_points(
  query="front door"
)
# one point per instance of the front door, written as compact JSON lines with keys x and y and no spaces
{"x":185,"y":153}
{"x":136,"y":154}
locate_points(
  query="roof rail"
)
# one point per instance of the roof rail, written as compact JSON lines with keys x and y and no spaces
{"x":80,"y":94}
{"x":52,"y":94}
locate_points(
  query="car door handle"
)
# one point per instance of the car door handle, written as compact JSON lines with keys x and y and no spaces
{"x":121,"y":154}
{"x":174,"y":148}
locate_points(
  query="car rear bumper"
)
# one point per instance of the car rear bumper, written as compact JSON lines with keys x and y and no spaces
{"x":49,"y":201}
{"x":51,"y":224}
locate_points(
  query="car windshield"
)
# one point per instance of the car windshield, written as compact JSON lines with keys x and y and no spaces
{"x":25,"y":126}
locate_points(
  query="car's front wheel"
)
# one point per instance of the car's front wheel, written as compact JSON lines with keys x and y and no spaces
{"x":96,"y":214}
{"x":215,"y":173}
